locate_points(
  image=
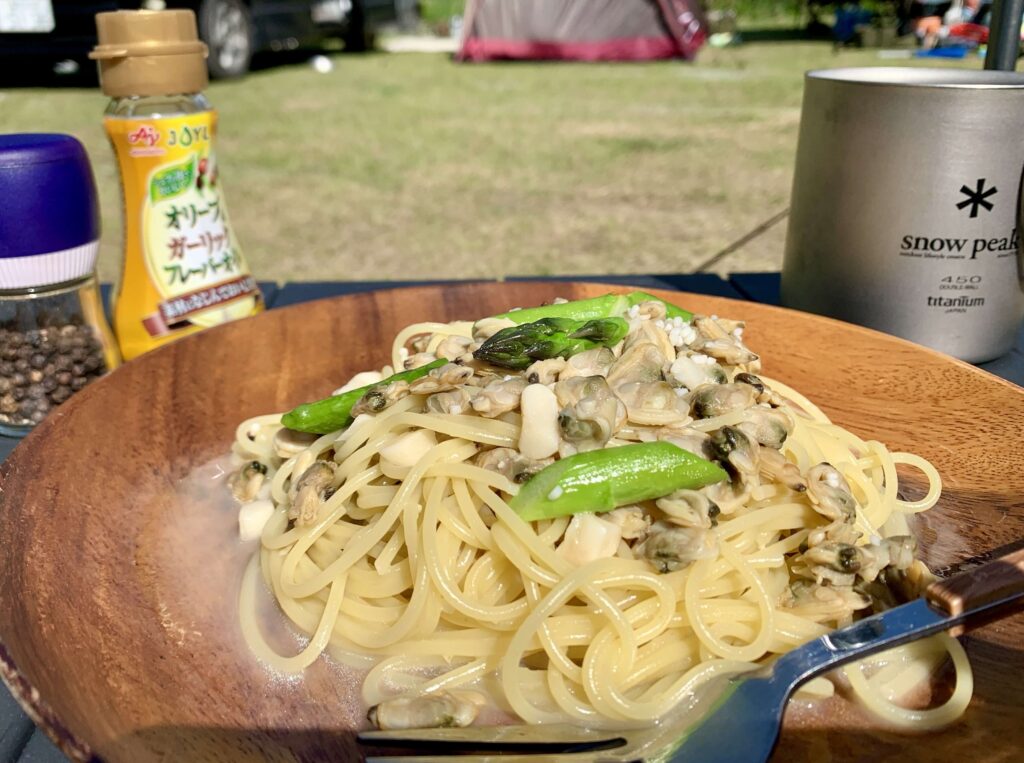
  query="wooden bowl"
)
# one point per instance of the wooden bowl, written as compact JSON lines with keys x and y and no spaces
{"x":119,"y":577}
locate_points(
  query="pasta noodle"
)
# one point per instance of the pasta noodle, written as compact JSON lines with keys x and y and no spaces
{"x":433,"y":583}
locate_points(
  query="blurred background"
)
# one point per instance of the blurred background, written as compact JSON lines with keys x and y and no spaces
{"x":353,"y":146}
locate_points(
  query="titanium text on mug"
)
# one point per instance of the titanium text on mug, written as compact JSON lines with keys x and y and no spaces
{"x":906,"y":205}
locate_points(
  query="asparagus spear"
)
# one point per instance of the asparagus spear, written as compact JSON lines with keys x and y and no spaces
{"x":601,"y":480}
{"x":519,"y":346}
{"x":671,"y":311}
{"x":334,"y":412}
{"x":608,"y":306}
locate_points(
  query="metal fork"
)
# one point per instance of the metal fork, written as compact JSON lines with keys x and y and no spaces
{"x":745,"y":713}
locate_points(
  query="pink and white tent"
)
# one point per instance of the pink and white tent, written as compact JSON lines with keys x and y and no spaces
{"x":581,"y":30}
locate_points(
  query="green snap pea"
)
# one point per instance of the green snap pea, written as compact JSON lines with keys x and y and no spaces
{"x":334,"y":412}
{"x":602,"y":480}
{"x":518,"y":346}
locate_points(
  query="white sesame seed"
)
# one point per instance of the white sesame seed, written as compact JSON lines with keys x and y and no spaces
{"x":555,"y":494}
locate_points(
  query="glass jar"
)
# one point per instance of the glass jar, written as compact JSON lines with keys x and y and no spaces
{"x":54,"y":337}
{"x":54,"y":340}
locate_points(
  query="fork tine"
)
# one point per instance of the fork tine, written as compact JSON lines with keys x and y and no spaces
{"x":579,"y":757}
{"x":550,"y":739}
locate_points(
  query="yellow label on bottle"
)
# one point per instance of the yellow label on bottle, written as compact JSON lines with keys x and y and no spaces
{"x":183,"y":268}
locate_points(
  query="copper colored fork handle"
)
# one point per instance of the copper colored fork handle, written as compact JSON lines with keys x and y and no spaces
{"x":1001,"y":578}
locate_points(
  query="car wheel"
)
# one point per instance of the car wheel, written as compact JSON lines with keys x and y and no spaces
{"x":357,"y":37}
{"x":226,"y":27}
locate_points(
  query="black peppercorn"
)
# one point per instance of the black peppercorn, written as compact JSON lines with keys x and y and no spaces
{"x":42,"y":367}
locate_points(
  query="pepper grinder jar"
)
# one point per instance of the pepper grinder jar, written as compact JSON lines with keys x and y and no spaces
{"x":54,"y":337}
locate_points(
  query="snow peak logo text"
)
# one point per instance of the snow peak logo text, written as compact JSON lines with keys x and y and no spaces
{"x":942,"y":248}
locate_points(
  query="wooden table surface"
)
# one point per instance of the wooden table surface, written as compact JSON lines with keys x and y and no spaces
{"x":21,"y":741}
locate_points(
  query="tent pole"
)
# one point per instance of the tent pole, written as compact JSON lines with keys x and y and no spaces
{"x":1004,"y":37}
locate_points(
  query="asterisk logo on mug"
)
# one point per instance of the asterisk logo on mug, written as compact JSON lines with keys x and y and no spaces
{"x":977,"y":197}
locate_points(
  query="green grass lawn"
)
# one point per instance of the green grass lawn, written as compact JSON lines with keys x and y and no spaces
{"x":411,"y":166}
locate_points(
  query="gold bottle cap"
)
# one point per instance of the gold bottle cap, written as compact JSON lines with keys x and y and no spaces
{"x":149,"y":53}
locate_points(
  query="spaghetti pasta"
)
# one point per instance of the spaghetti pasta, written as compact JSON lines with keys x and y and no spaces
{"x":416,"y":568}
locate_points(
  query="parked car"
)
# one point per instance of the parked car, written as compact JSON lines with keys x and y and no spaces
{"x":234,"y":30}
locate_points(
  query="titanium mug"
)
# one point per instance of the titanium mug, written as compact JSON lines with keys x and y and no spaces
{"x":905,"y":207}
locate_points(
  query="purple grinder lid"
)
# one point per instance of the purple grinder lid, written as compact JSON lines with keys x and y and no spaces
{"x":49,"y":213}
